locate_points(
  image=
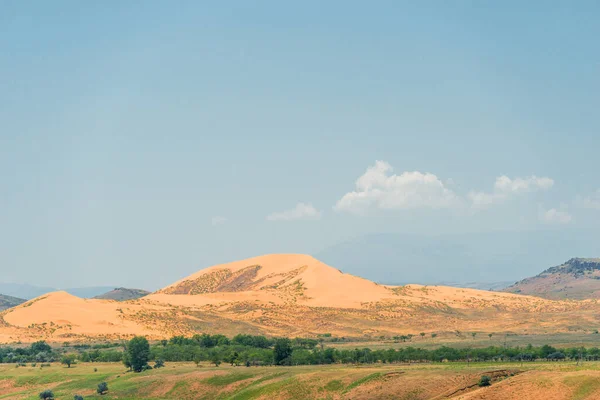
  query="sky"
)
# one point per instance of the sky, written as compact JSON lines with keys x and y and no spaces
{"x":141,"y":141}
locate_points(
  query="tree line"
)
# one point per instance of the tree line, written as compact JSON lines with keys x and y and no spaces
{"x":252,"y":350}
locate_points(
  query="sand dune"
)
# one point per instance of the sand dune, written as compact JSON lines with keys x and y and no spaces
{"x":291,"y":294}
{"x":60,"y":314}
{"x":274,"y":278}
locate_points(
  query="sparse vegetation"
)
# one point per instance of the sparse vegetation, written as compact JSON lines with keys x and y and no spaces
{"x":47,"y":395}
{"x":102,"y":388}
{"x":485,"y":381}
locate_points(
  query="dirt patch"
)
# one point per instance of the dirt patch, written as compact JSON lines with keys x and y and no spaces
{"x":495,"y":376}
{"x":8,"y":386}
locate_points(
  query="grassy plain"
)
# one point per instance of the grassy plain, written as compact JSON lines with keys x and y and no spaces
{"x":481,"y":339}
{"x":539,"y":380}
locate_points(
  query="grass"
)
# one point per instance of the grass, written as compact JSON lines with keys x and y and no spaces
{"x":334,"y":385}
{"x":362,"y":381}
{"x":185,"y":381}
{"x":224,"y":380}
{"x":583,"y":386}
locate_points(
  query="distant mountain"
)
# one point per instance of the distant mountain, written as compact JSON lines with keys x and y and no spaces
{"x":578,"y":278}
{"x":28,"y":292}
{"x":9,"y":302}
{"x":494,"y":286}
{"x":88,"y":292}
{"x":24,"y":290}
{"x":458,"y":258}
{"x":122,"y":294}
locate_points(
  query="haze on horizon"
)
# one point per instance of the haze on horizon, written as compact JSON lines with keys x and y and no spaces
{"x":141,"y":142}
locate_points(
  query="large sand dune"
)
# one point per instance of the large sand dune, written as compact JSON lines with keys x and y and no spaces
{"x":291,"y":294}
{"x":275,"y":278}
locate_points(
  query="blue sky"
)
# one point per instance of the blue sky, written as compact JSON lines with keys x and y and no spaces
{"x":162,"y":137}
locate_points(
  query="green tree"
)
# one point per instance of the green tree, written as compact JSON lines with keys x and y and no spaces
{"x":138,"y":351}
{"x":67,"y":360}
{"x":422,"y":335}
{"x":490,"y":335}
{"x":127,"y":360}
{"x":282,"y":352}
{"x":40,"y":347}
{"x":102,"y":388}
{"x":433,"y":335}
{"x":215,"y":359}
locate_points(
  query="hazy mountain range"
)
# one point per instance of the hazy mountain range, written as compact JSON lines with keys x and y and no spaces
{"x":496,"y":258}
{"x":27,"y":291}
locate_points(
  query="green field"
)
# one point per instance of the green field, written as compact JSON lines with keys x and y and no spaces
{"x":481,"y":340}
{"x":186,"y":381}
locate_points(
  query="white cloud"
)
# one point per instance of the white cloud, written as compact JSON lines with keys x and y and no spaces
{"x":218,"y":220}
{"x":483,"y":200}
{"x":554,"y":216}
{"x":378,"y":188}
{"x":592,"y":201}
{"x":521,"y":185}
{"x":301,"y":211}
{"x":504,"y":187}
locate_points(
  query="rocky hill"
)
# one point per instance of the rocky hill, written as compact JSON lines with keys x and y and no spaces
{"x":578,"y":278}
{"x":123,"y":294}
{"x":9,"y":302}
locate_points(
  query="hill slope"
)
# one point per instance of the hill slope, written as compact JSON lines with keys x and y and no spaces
{"x":578,"y":278}
{"x":9,"y":302}
{"x":123,"y":294}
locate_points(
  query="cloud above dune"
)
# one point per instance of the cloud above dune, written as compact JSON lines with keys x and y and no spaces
{"x":218,"y":220}
{"x":555,"y":216}
{"x":506,"y":187}
{"x":380,"y":188}
{"x":301,"y":211}
{"x":590,"y":202}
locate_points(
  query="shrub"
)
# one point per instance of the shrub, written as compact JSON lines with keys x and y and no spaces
{"x":95,"y":369}
{"x":102,"y":388}
{"x":77,"y":397}
{"x":47,"y":395}
{"x":159,"y":363}
{"x":485,"y":381}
